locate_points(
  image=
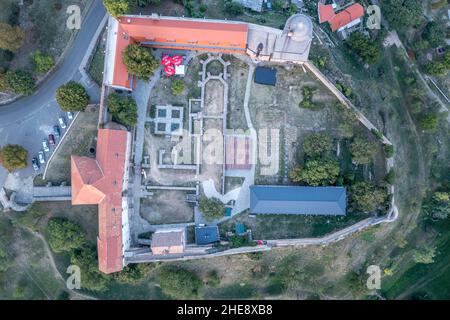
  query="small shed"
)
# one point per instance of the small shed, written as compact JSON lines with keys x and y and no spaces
{"x":266,"y":76}
{"x":206,"y":235}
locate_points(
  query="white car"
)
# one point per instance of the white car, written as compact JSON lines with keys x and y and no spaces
{"x":41,"y":157}
{"x":45,"y":146}
{"x":62,"y":123}
{"x":69,"y":115}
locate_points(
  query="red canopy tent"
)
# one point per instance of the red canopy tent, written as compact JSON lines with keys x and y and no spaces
{"x":166,"y":61}
{"x":177,"y":60}
{"x":169,"y":70}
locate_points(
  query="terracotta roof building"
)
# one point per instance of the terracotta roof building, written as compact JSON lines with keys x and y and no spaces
{"x":291,"y":44}
{"x":102,"y":181}
{"x":168,"y":241}
{"x":342,"y":20}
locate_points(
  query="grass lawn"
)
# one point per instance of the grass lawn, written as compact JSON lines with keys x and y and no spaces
{"x":78,"y":142}
{"x":96,"y":66}
{"x":289,"y":226}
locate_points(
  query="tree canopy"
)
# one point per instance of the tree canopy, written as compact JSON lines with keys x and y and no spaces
{"x":139,"y":61}
{"x":424,"y":255}
{"x":402,"y":14}
{"x":317,"y":172}
{"x":211,"y":208}
{"x":13,"y":157}
{"x":368,"y":50}
{"x":72,"y":96}
{"x":64,"y":235}
{"x":116,"y":7}
{"x":178,"y":283}
{"x":362,"y":150}
{"x":439,"y":205}
{"x":20,"y":81}
{"x":123,"y":109}
{"x":11,"y":37}
{"x":91,"y":277}
{"x":317,"y":144}
{"x":367,"y":197}
{"x":434,"y":33}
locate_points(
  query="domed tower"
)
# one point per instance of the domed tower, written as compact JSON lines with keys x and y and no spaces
{"x":295,"y":40}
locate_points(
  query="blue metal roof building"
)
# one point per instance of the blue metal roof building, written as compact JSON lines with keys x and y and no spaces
{"x":298,"y":200}
{"x":206,"y":235}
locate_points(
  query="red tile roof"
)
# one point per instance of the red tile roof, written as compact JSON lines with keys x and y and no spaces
{"x":99,"y":181}
{"x":176,"y":34}
{"x":342,"y":18}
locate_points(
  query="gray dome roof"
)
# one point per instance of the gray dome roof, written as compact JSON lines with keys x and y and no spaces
{"x":300,"y":26}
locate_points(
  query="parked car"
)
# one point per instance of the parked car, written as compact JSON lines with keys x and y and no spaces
{"x":41,"y":156}
{"x":57,"y":131}
{"x":62,"y":122}
{"x":51,"y":139}
{"x":69,"y":115}
{"x":45,"y":145}
{"x":35,"y":164}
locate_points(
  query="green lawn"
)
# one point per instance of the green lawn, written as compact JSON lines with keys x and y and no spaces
{"x":96,"y":66}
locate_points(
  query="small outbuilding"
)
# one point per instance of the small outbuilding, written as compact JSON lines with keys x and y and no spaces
{"x":206,"y":235}
{"x":265,"y":75}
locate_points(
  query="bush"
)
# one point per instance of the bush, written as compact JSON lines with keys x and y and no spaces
{"x":434,"y":33}
{"x":390,"y":177}
{"x":213,"y":279}
{"x":317,"y":172}
{"x":211,"y":208}
{"x":42,"y":62}
{"x":177,"y":86}
{"x":123,"y":109}
{"x":428,"y":121}
{"x":377,"y":134}
{"x":72,"y":96}
{"x":139,"y":61}
{"x":13,"y":157}
{"x":389,"y":150}
{"x":133,"y":273}
{"x":20,"y":82}
{"x":179,"y":283}
{"x":425,"y":255}
{"x":92,"y":278}
{"x":11,"y":37}
{"x":64,"y":235}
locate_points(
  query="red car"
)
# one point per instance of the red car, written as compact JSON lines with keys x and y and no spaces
{"x":51,"y":139}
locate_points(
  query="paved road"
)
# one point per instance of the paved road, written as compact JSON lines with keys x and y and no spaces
{"x":30,"y":119}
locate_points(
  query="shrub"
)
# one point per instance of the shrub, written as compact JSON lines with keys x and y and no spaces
{"x":179,"y":283}
{"x":92,"y":278}
{"x":425,"y":255}
{"x":42,"y":62}
{"x":234,"y":8}
{"x":317,"y":144}
{"x":116,"y":7}
{"x":213,"y":279}
{"x":368,"y":50}
{"x":317,"y":172}
{"x":434,"y":33}
{"x":367,"y":197}
{"x":72,"y":96}
{"x":11,"y":37}
{"x":389,"y":150}
{"x":177,"y":86}
{"x":362,"y":150}
{"x":390,"y":177}
{"x":20,"y":82}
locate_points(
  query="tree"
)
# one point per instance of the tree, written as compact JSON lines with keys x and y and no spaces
{"x":367,"y":197}
{"x":72,"y":96}
{"x":13,"y":157}
{"x":403,"y":14}
{"x":133,"y":273}
{"x":211,"y":208}
{"x":429,"y":121}
{"x":369,"y":51}
{"x":143,"y":3}
{"x":347,"y":121}
{"x":20,"y":82}
{"x":64,"y":235}
{"x":317,"y":144}
{"x":233,"y":8}
{"x":434,"y":33}
{"x":139,"y":61}
{"x":389,"y":150}
{"x":439,"y":205}
{"x":123,"y":109}
{"x":42,"y":62}
{"x":91,"y":277}
{"x":317,"y":172}
{"x":390,"y":177}
{"x":179,"y":283}
{"x":177,"y":86}
{"x":362,"y":150}
{"x":11,"y":38}
{"x":436,"y":68}
{"x":425,"y":255}
{"x":116,"y":7}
